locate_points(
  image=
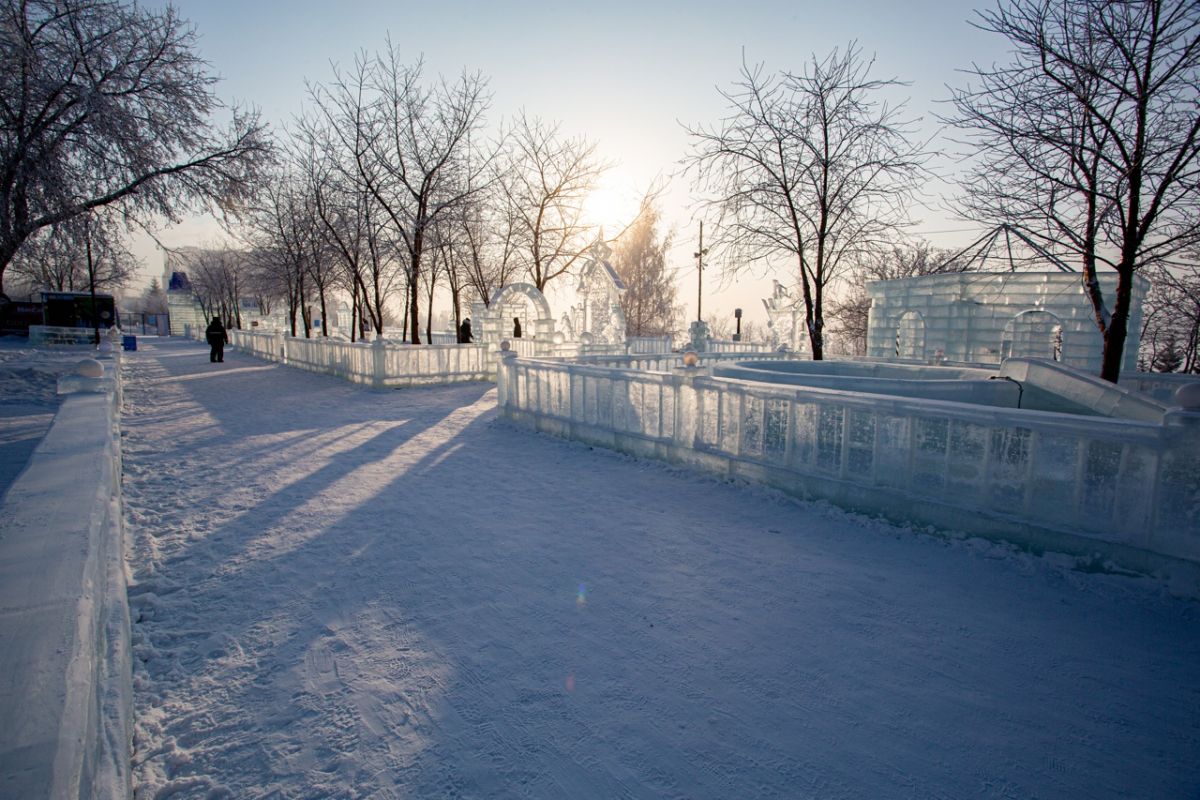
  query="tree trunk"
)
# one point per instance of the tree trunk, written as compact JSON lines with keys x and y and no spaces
{"x":1117,"y":332}
{"x":414,"y":300}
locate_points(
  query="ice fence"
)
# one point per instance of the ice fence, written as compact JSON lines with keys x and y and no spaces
{"x":1128,"y":490}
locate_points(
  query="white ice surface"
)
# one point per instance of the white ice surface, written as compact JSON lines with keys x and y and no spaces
{"x":345,"y":593}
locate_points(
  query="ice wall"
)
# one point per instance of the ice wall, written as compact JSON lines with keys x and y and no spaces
{"x":65,"y":694}
{"x":985,"y":317}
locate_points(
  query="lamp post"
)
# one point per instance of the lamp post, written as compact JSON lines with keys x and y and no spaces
{"x":699,"y":256}
{"x":737,"y":315}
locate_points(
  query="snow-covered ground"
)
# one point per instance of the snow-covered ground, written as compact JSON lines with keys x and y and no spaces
{"x":339,"y":592}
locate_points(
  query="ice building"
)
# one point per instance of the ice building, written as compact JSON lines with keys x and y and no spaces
{"x":986,"y":317}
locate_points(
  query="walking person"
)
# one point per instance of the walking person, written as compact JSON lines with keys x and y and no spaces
{"x":516,"y":327}
{"x":464,"y":332}
{"x":217,"y":338}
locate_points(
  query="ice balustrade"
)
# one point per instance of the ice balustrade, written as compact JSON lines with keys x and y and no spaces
{"x":1161,"y":386}
{"x":376,"y":363}
{"x":730,"y":346}
{"x":665,"y":362}
{"x":649,"y":344}
{"x":1127,"y":489}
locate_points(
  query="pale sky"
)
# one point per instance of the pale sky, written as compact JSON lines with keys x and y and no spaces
{"x":623,"y":74}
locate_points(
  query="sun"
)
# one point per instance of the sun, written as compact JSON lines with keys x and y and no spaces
{"x":610,"y":205}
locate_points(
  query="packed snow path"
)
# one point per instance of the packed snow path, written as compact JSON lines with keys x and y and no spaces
{"x":340,"y":592}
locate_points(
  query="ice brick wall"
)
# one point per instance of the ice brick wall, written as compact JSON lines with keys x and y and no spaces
{"x":983,"y":317}
{"x":1125,"y":488}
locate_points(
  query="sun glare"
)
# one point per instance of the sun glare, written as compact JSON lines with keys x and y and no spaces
{"x":611,"y":205}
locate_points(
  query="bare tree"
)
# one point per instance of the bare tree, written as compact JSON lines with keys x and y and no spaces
{"x":1089,"y":139}
{"x":809,"y":167}
{"x":410,"y":143}
{"x":545,"y":183}
{"x":351,"y":220}
{"x":280,"y":227}
{"x":217,"y":276}
{"x":1171,"y":321}
{"x":487,"y":243}
{"x":640,"y":258}
{"x":105,"y":103}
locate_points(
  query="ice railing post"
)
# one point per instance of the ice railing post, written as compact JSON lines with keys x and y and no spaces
{"x":1177,"y":496}
{"x":506,"y":374}
{"x":687,"y":403}
{"x":378,"y":363}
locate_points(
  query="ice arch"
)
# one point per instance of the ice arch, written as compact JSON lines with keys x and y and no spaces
{"x":910,"y":336}
{"x":1033,"y":334}
{"x":521,"y":300}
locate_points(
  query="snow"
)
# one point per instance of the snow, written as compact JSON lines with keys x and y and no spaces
{"x":340,"y":592}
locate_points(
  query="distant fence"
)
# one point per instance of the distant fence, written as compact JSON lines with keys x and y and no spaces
{"x":377,"y":363}
{"x":730,"y":346}
{"x":1127,"y":489}
{"x":1159,"y":385}
{"x":649,"y":344}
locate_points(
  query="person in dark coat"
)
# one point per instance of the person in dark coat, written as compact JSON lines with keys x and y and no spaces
{"x":516,"y":327}
{"x":464,"y":332}
{"x":217,"y":338}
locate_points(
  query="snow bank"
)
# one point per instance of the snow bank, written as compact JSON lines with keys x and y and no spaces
{"x":66,"y":694}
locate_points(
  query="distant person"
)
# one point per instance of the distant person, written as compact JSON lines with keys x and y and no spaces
{"x":464,"y":332}
{"x":217,"y":338}
{"x":516,"y":327}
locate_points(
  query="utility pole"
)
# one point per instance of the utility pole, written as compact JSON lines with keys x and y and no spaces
{"x":699,"y":256}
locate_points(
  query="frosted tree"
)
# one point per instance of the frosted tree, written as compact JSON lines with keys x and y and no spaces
{"x":105,"y":103}
{"x":809,"y":168}
{"x":1171,"y":321}
{"x":57,"y":257}
{"x":154,"y":299}
{"x":640,"y":258}
{"x":1088,"y":140}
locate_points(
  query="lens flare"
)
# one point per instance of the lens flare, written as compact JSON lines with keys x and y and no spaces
{"x":581,"y":598}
